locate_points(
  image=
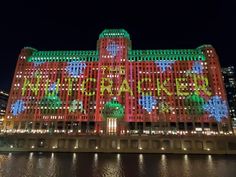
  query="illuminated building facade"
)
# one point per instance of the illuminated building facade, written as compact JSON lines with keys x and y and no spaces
{"x":3,"y":106}
{"x":230,"y":86}
{"x":117,"y":90}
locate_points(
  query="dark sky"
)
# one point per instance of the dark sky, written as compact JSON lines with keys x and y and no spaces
{"x":152,"y":25}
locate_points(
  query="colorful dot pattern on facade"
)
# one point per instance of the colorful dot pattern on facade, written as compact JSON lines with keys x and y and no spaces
{"x":75,"y":68}
{"x":113,"y":109}
{"x":217,"y":108}
{"x":17,"y":107}
{"x":147,"y":102}
{"x":79,"y":86}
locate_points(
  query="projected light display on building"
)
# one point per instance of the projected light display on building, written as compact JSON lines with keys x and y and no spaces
{"x":117,"y":89}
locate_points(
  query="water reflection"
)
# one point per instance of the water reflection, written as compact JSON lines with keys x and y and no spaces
{"x":10,"y":155}
{"x":141,"y":165}
{"x":109,"y":167}
{"x":115,"y":165}
{"x":163,"y":166}
{"x":186,"y":166}
{"x":210,"y":165}
{"x":31,"y":156}
{"x":95,"y":162}
{"x":74,"y":158}
{"x":118,"y":158}
{"x":52,"y":155}
{"x":29,"y":166}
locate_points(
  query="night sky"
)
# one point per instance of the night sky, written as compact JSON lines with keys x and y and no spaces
{"x":75,"y":26}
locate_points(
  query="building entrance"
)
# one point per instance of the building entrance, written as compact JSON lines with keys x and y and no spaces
{"x":111,"y":125}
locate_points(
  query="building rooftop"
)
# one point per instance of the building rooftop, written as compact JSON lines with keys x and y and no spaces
{"x":114,"y":33}
{"x":133,"y":55}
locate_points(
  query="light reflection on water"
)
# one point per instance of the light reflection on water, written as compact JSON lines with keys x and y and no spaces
{"x":163,"y":166}
{"x":115,"y":165}
{"x":141,"y":165}
{"x":186,"y":166}
{"x":210,"y":165}
{"x":110,"y":166}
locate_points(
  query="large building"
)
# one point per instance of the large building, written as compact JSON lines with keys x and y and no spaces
{"x":230,"y":86}
{"x":3,"y":106}
{"x":117,"y":90}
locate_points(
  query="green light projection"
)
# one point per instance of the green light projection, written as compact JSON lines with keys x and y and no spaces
{"x":113,"y":109}
{"x":163,"y":55}
{"x":114,"y":33}
{"x":133,"y":55}
{"x":50,"y":104}
{"x":194,"y":104}
{"x":62,"y":56}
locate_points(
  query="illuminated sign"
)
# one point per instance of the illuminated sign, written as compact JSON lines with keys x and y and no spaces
{"x":180,"y":85}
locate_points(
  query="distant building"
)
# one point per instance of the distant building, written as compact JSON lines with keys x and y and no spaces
{"x":230,"y":86}
{"x":116,"y":90}
{"x":3,"y":106}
